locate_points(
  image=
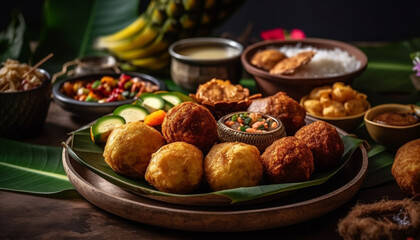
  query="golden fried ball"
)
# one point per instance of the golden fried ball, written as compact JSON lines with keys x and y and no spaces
{"x":406,"y":168}
{"x":288,"y":160}
{"x":324,"y":141}
{"x":232,"y":165}
{"x":192,"y":123}
{"x":176,"y":168}
{"x":130,"y":147}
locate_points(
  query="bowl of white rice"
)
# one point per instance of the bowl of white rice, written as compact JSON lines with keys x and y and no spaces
{"x":333,"y":61}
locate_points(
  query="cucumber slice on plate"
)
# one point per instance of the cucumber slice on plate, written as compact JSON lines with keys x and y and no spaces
{"x":170,"y":97}
{"x":152,"y":102}
{"x":131,"y":113}
{"x":101,"y":129}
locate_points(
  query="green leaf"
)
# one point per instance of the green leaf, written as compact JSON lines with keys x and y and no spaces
{"x":71,"y":27}
{"x":12,"y":39}
{"x":389,"y":67}
{"x":31,"y":168}
{"x":86,"y":152}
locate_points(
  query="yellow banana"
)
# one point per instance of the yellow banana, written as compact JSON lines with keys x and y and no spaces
{"x":143,"y":44}
{"x":125,"y":33}
{"x":153,"y":63}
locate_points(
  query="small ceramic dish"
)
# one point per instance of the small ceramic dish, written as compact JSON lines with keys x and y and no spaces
{"x":93,"y":110}
{"x":347,"y":123}
{"x":392,"y":137}
{"x":198,"y":60}
{"x":295,"y":86}
{"x":259,"y":139}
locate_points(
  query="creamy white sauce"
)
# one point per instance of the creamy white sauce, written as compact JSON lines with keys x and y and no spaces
{"x":208,"y":52}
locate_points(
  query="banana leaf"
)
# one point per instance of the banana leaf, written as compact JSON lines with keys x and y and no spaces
{"x":71,"y":27}
{"x":31,"y":168}
{"x":84,"y":151}
{"x":389,"y":67}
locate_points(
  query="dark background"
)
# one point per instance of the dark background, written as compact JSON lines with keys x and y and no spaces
{"x":357,"y":20}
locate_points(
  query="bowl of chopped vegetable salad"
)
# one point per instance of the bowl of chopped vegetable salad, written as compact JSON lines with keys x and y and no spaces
{"x":93,"y":95}
{"x":257,"y":129}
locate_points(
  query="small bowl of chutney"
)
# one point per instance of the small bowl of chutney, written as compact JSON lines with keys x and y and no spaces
{"x":393,"y":125}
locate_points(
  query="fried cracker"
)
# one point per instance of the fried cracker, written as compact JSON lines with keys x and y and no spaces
{"x":289,"y":65}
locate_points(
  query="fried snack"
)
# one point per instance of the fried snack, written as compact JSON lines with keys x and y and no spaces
{"x":282,"y":107}
{"x":288,"y":160}
{"x":289,"y":65}
{"x":313,"y":106}
{"x":176,"y":168}
{"x":129,"y":148}
{"x":231,"y":165}
{"x":342,"y":93}
{"x":406,"y":168}
{"x":267,"y":59}
{"x":222,"y":97}
{"x":339,"y":100}
{"x":191,"y":123}
{"x":318,"y":92}
{"x":324,"y":141}
{"x":333,"y":109}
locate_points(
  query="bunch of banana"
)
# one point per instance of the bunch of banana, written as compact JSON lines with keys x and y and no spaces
{"x":144,"y":43}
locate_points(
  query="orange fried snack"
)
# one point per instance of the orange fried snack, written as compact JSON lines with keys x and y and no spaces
{"x":324,"y":141}
{"x":283,"y":107}
{"x":289,"y":65}
{"x":191,"y":123}
{"x":288,"y":159}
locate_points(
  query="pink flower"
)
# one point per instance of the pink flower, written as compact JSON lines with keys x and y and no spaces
{"x":417,"y":68}
{"x":297,"y":34}
{"x":277,"y":33}
{"x":281,"y":34}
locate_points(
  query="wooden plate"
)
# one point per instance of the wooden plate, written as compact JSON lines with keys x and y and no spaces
{"x":301,"y":206}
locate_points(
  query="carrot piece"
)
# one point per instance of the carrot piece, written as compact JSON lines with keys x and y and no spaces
{"x":155,"y":118}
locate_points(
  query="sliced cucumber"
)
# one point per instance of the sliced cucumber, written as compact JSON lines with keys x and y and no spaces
{"x":184,"y":98}
{"x":101,"y":129}
{"x":131,"y":113}
{"x":168,"y":105}
{"x":152,"y":102}
{"x":170,"y":97}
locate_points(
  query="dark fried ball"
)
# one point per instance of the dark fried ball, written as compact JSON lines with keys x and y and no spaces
{"x":129,"y":148}
{"x":191,"y":123}
{"x":288,"y":160}
{"x":282,"y":107}
{"x":324,"y":141}
{"x":176,"y":168}
{"x":232,"y":165}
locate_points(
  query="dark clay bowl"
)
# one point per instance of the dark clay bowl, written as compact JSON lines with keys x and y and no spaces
{"x":297,"y":87}
{"x":23,"y":113}
{"x":93,"y":110}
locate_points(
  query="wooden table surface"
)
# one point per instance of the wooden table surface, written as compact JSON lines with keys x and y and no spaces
{"x":69,"y":216}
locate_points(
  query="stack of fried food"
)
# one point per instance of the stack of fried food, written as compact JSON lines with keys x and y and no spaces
{"x":186,"y":152}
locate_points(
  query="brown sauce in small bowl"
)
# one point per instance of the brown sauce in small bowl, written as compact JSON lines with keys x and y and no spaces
{"x":396,"y":119}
